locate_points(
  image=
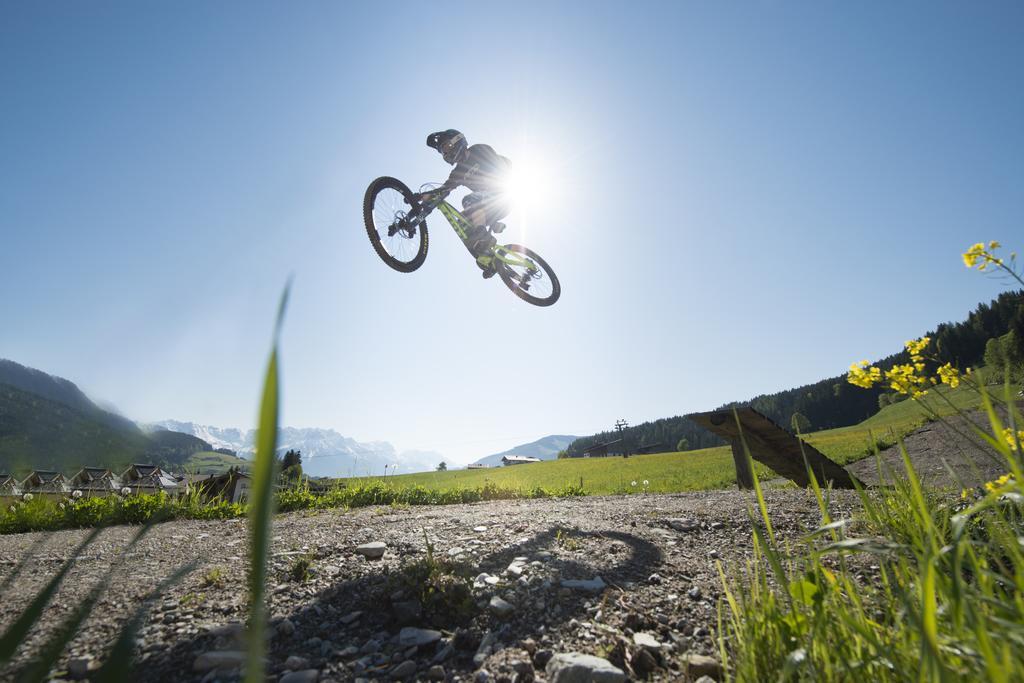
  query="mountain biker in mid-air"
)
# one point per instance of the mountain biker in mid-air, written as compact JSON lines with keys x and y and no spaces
{"x":485,"y":173}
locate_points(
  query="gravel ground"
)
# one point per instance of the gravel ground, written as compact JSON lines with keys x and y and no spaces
{"x":651,"y":612}
{"x":944,"y":453}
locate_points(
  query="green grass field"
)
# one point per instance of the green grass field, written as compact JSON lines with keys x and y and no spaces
{"x":208,"y":462}
{"x":707,"y":468}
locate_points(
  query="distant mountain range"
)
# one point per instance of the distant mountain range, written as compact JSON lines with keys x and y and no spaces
{"x":47,"y":422}
{"x":325,"y":452}
{"x":546,"y":448}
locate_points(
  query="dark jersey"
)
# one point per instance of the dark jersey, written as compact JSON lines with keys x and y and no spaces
{"x":481,"y":170}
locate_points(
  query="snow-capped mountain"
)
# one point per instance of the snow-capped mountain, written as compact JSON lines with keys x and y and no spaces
{"x":231,"y":438}
{"x":325,"y":452}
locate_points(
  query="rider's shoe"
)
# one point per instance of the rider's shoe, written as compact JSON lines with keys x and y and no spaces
{"x":486,"y":264}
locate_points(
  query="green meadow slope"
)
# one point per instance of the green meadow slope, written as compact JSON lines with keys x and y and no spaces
{"x":707,"y":468}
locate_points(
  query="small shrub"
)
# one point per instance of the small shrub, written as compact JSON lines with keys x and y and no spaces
{"x":213,"y":578}
{"x":299,"y":571}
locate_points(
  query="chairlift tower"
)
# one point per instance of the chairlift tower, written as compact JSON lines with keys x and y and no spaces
{"x":620,"y":426}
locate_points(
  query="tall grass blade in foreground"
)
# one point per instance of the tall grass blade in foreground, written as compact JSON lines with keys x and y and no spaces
{"x":261,"y":507}
{"x":929,"y":588}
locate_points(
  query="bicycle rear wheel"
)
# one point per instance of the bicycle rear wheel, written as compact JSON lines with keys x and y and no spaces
{"x":529,"y":278}
{"x":386,"y":203}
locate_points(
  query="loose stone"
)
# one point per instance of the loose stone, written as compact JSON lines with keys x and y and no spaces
{"x":404,"y":670}
{"x":220,"y":659}
{"x":286,"y":627}
{"x":591,"y":586}
{"x":372,"y":551}
{"x":500,"y":607}
{"x":410,"y":636}
{"x":296,"y":663}
{"x":700,"y":665}
{"x":576,"y":667}
{"x":646,"y":640}
{"x":305,"y":676}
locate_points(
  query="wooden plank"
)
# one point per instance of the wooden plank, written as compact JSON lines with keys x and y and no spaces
{"x":773,"y":446}
{"x":744,"y":473}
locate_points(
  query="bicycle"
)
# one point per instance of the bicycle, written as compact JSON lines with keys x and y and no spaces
{"x":396,"y":225}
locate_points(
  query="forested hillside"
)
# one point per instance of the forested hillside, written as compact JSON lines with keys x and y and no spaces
{"x":60,"y":390}
{"x":46,"y":422}
{"x":40,"y":433}
{"x":833,"y":402}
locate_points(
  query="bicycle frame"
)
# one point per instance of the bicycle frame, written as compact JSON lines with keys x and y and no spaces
{"x":462,"y":228}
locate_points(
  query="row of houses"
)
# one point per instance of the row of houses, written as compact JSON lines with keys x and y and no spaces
{"x":138,"y":478}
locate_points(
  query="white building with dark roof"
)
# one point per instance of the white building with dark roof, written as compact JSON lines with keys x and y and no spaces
{"x":518,"y":460}
{"x":95,"y":481}
{"x":9,"y":488}
{"x":45,"y":484}
{"x":149,"y":479}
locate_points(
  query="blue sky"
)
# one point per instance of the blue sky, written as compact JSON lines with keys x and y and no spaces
{"x":742,"y":198}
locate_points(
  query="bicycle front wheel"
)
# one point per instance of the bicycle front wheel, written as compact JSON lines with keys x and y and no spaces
{"x":527,"y":275}
{"x":385,"y":205}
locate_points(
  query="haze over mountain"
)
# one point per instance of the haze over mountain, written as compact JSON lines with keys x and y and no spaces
{"x":546,"y":448}
{"x":325,"y":452}
{"x":62,"y":391}
{"x":47,"y":422}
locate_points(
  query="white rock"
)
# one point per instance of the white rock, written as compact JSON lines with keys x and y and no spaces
{"x":683,"y":524}
{"x":372,"y":551}
{"x":646,"y":640}
{"x":479,"y":529}
{"x":576,"y":667}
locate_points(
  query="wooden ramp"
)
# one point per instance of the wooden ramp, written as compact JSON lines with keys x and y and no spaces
{"x":773,"y":446}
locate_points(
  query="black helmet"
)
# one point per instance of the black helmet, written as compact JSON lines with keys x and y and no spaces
{"x":450,"y":143}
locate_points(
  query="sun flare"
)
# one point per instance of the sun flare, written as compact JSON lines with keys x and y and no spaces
{"x":527,"y":183}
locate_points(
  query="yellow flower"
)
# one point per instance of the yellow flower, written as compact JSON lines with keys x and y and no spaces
{"x":1010,"y":441}
{"x":1002,"y":482}
{"x":994,"y":245}
{"x":905,"y":380}
{"x":972,"y":255}
{"x":949,"y":375}
{"x":862,"y":375}
{"x":915,"y":347}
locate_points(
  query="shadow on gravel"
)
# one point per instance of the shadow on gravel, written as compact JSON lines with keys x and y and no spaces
{"x":367,"y":613}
